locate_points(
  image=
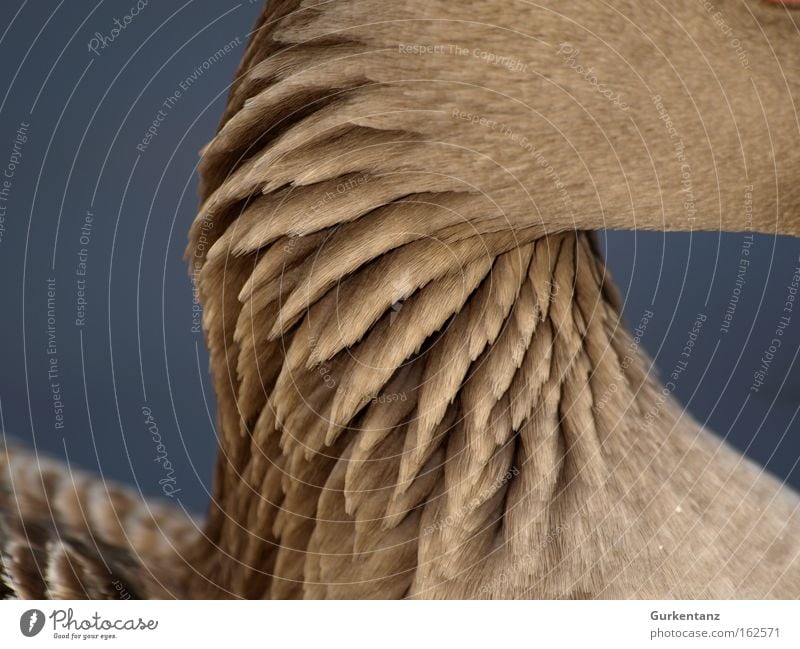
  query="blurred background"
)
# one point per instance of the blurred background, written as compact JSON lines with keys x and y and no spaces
{"x":104,"y":107}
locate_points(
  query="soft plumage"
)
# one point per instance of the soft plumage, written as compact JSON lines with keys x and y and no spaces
{"x":416,"y":349}
{"x":64,"y":534}
{"x":424,"y":388}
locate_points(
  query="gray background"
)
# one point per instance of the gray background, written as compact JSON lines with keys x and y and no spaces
{"x":86,"y":113}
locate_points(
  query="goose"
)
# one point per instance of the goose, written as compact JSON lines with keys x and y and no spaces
{"x":423,"y":383}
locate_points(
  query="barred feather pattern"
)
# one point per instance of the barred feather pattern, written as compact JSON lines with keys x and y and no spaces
{"x":67,"y":535}
{"x":414,"y":375}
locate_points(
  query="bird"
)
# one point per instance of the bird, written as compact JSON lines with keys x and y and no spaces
{"x":66,"y":534}
{"x":424,"y":385}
